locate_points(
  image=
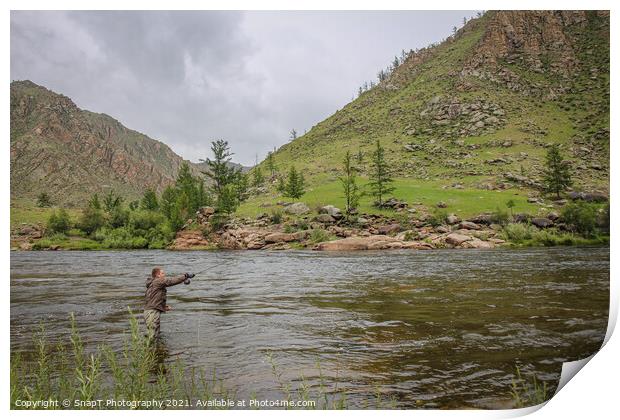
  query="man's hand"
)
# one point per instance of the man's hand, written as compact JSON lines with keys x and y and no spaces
{"x":187,"y":277}
{"x":168,"y":308}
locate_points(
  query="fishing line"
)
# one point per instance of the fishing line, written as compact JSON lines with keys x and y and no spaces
{"x":212,"y":266}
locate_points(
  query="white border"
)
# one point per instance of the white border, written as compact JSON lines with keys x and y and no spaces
{"x":593,"y":393}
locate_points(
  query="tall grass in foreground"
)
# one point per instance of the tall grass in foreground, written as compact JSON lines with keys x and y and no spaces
{"x":137,"y":373}
{"x":133,"y":374}
{"x":526,"y":393}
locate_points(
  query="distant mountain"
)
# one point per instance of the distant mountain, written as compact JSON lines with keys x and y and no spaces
{"x":71,"y":153}
{"x":202,"y":166}
{"x":479,"y":108}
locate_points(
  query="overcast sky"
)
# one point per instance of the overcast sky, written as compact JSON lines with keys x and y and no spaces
{"x":187,"y":78}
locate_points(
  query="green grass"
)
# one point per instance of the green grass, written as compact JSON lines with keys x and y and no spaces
{"x":72,"y":243}
{"x":26,"y":212}
{"x":530,"y":391}
{"x":526,"y":235}
{"x":55,"y":372}
{"x":463,"y":202}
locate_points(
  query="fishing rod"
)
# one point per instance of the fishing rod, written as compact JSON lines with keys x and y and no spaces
{"x":187,"y":279}
{"x":211,"y":266}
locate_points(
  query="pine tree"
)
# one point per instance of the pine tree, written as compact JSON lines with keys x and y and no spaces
{"x":380,"y":180}
{"x":281,"y":186}
{"x":240,"y":185}
{"x":293,"y":134}
{"x":149,"y":200}
{"x":271,"y":164}
{"x":349,"y":185}
{"x":223,"y":175}
{"x":167,"y":201}
{"x":94,"y":202}
{"x":227,"y":200}
{"x":112,"y":202}
{"x":258,"y":179}
{"x":360,"y":157}
{"x":295,"y":184}
{"x":557,"y":174}
{"x":43,"y":200}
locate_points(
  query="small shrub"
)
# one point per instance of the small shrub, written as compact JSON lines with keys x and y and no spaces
{"x":581,"y":217}
{"x":405,"y":221}
{"x":218,"y":221}
{"x":319,"y":235}
{"x":276,"y":217}
{"x":92,"y":219}
{"x":57,"y":237}
{"x":411,"y":235}
{"x":59,"y":222}
{"x":160,"y":236}
{"x":302,"y":224}
{"x":500,"y":217}
{"x":438,"y":217}
{"x":44,"y":200}
{"x":518,"y":232}
{"x":118,"y":217}
{"x":123,"y":238}
{"x":145,"y":220}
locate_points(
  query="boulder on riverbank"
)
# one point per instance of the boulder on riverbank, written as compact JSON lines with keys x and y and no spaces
{"x":188,"y":239}
{"x":370,"y":243}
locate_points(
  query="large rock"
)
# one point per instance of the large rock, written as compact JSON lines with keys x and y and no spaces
{"x":395,"y":203}
{"x":482,"y":219}
{"x":442,"y":229}
{"x":457,"y":239}
{"x":324,"y":218}
{"x":469,"y":226}
{"x":254,"y":241}
{"x":541,"y":222}
{"x":331,"y":211}
{"x":189,"y":239}
{"x":389,"y":229}
{"x":279,"y":237}
{"x":452,"y":219}
{"x":297,"y":209}
{"x":373,"y":242}
{"x":478,"y":244}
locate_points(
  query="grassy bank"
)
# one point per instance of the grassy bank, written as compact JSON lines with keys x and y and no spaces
{"x":463,"y":202}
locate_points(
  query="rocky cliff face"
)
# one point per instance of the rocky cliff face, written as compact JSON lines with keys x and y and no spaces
{"x":71,"y":153}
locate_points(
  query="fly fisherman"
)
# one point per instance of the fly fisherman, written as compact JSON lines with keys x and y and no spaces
{"x":155,"y":298}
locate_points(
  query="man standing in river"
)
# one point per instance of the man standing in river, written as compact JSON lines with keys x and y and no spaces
{"x":155,"y":298}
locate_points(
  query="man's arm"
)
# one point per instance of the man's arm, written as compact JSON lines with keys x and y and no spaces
{"x":173,"y":281}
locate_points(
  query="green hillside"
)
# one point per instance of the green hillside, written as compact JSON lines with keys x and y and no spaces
{"x":475,"y":113}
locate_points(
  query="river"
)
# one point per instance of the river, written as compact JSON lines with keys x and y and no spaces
{"x":444,"y":328}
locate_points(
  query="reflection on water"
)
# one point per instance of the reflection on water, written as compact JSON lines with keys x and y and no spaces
{"x":442,"y":328}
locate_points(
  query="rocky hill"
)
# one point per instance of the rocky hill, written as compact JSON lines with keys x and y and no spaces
{"x":479,"y":109}
{"x":71,"y":153}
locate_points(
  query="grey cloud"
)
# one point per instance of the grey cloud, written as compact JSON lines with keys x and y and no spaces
{"x":187,"y":78}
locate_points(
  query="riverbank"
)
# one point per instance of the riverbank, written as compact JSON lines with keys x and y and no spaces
{"x":398,"y":225}
{"x":296,"y":226}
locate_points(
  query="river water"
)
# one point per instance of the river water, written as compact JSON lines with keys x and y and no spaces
{"x":444,"y":328}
